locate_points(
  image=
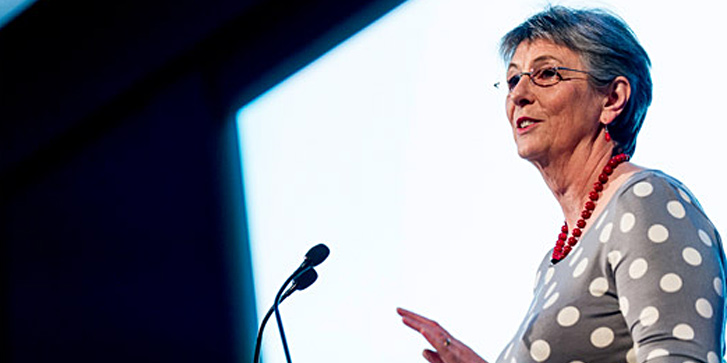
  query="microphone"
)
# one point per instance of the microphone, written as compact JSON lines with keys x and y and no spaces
{"x":302,"y":282}
{"x":314,"y":257}
{"x":307,"y":278}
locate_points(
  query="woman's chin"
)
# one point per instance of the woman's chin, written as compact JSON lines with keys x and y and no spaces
{"x":527,"y":152}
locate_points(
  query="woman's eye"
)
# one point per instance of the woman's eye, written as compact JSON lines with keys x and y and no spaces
{"x":547,"y":73}
{"x":513,"y":81}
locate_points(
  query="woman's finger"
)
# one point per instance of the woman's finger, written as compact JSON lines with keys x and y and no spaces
{"x":432,"y":356}
{"x":434,"y":334}
{"x":418,"y":322}
{"x":414,"y":316}
{"x":429,"y":329}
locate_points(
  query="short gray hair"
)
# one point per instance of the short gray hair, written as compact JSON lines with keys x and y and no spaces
{"x":607,"y":47}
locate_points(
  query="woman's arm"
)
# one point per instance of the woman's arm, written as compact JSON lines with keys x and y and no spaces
{"x":668,"y":265}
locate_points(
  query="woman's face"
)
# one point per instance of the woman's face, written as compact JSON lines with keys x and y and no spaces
{"x":555,"y":121}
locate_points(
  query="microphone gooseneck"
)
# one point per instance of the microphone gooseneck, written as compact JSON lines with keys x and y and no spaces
{"x":300,"y":283}
{"x":303,"y":277}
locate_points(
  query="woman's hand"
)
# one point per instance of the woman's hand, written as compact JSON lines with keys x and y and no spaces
{"x":448,"y":349}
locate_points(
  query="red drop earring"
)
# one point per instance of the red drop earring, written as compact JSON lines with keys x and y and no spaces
{"x":608,"y":136}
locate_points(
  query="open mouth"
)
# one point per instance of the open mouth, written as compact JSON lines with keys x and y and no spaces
{"x":525,"y":122}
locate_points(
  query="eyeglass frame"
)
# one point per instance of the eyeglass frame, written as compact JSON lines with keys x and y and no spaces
{"x":532,"y":79}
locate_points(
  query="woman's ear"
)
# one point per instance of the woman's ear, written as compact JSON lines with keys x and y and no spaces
{"x":616,"y":97}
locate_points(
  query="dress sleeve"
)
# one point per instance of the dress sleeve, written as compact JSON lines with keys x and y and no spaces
{"x":668,"y":267}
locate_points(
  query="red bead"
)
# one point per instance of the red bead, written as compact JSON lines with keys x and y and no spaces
{"x":572,"y":241}
{"x":607,"y":170}
{"x":603,"y":178}
{"x":613,"y":163}
{"x":562,"y":236}
{"x":566,"y":250}
{"x":593,"y":195}
{"x":581,"y":223}
{"x":590,"y":205}
{"x":564,"y":229}
{"x":597,"y":186}
{"x":585,"y":214}
{"x":576,"y":232}
{"x":560,"y":243}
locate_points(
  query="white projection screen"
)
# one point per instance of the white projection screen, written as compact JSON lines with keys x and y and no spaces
{"x":394,"y":150}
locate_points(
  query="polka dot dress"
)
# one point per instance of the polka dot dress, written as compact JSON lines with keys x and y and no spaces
{"x":644,"y":284}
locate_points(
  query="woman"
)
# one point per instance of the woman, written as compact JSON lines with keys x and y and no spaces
{"x":637,"y":270}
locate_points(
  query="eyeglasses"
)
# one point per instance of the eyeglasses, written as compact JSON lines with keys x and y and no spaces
{"x":542,"y":77}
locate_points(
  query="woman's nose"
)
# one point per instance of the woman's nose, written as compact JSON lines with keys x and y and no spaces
{"x":521,"y":94}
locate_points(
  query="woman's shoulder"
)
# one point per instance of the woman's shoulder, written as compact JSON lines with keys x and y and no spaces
{"x":651,"y":185}
{"x":654,"y":204}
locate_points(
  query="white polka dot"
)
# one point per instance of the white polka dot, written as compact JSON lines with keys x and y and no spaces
{"x":580,"y":268}
{"x":568,"y":316}
{"x":537,"y":279}
{"x":657,"y":353}
{"x":602,"y":337}
{"x":601,"y":219}
{"x":643,"y":189}
{"x":685,"y":196}
{"x":598,"y":287}
{"x":513,"y":360}
{"x":551,"y":289}
{"x":606,"y":233}
{"x":712,"y":357}
{"x":683,"y":332}
{"x":692,"y":256}
{"x":705,"y":238}
{"x":704,"y":308}
{"x":549,"y":274}
{"x":649,"y":316}
{"x":628,"y":220}
{"x":670,"y":282}
{"x":540,"y":350}
{"x":676,"y":209}
{"x":575,"y":256}
{"x":689,"y":361}
{"x":631,"y":356}
{"x":638,"y":268}
{"x":551,"y":301}
{"x":614,"y":257}
{"x":658,"y":233}
{"x":623,"y":304}
{"x":576,"y":361}
{"x":717,"y":285}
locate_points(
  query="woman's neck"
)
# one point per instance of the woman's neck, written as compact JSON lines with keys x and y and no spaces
{"x":571,"y":176}
{"x":570,"y":180}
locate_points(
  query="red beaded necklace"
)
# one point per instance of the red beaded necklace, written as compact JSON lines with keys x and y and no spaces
{"x":561,"y":248}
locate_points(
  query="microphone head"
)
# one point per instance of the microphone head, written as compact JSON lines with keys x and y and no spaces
{"x":316,"y":255}
{"x":306,"y":279}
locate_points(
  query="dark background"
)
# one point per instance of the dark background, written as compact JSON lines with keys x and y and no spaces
{"x":124,"y":235}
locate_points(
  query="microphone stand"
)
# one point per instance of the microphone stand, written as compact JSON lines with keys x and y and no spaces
{"x":277,"y":311}
{"x":305,"y":279}
{"x":313,"y":257}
